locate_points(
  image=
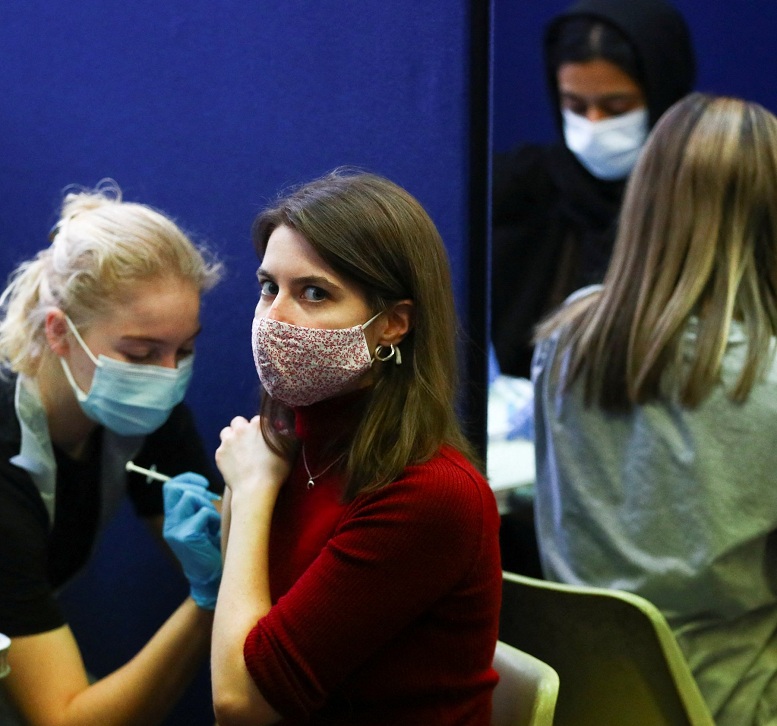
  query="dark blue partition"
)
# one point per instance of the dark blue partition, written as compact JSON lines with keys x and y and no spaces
{"x":205,"y":110}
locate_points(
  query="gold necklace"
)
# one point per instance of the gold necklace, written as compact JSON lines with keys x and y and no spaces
{"x":311,"y":479}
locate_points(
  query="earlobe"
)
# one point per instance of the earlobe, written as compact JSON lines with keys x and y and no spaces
{"x":399,"y":322}
{"x":56,"y":332}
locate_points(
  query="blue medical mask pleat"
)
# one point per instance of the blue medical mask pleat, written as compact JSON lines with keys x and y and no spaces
{"x":130,"y":399}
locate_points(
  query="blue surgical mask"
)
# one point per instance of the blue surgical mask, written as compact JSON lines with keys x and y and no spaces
{"x":130,"y":399}
{"x":608,"y":148}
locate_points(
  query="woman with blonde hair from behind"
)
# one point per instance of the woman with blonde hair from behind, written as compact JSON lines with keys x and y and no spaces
{"x":656,"y":402}
{"x":97,"y":340}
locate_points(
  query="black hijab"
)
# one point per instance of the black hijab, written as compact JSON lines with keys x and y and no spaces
{"x":666,"y":68}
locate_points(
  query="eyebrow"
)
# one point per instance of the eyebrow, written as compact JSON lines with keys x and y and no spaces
{"x":317,"y":280}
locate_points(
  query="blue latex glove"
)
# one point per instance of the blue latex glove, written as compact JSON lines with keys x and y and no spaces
{"x":192,"y":529}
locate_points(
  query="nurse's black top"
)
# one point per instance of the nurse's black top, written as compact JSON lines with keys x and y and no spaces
{"x":38,"y":556}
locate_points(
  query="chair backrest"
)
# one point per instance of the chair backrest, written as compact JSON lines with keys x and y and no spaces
{"x":527,"y":689}
{"x":617,"y":659}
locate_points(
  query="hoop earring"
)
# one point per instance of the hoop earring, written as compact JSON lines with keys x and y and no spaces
{"x":393,"y":351}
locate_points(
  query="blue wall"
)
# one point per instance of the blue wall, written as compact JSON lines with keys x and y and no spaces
{"x":205,"y":109}
{"x":733,"y":40}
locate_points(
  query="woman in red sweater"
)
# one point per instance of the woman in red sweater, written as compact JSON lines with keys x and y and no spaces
{"x":362,"y":577}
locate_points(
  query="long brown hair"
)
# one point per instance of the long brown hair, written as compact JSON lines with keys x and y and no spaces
{"x":376,"y":234}
{"x":697,"y":239}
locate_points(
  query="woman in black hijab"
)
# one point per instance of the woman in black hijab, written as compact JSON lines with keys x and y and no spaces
{"x":613,"y":68}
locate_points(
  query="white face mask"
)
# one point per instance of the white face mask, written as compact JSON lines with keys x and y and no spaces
{"x":608,"y":148}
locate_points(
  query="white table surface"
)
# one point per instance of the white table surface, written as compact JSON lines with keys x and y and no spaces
{"x":510,"y":466}
{"x":5,"y":644}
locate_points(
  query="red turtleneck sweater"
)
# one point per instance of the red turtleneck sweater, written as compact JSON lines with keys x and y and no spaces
{"x":385,"y":609}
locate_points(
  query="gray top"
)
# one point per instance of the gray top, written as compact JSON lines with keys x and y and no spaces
{"x":676,"y":505}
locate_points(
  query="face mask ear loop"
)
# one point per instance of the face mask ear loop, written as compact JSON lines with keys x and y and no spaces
{"x":372,"y":319}
{"x":393,"y":350}
{"x":80,"y":395}
{"x":80,"y":340}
